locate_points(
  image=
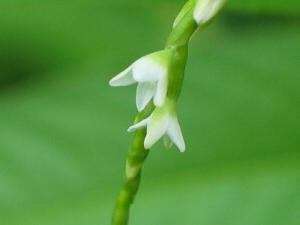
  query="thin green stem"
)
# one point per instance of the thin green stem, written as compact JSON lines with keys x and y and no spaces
{"x":136,"y":156}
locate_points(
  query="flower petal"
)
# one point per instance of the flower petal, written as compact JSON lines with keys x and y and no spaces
{"x":124,"y":78}
{"x":161,"y":91}
{"x":175,"y":134}
{"x":156,"y":127}
{"x":206,"y":10}
{"x":147,"y":69}
{"x":144,"y":93}
{"x":141,"y":124}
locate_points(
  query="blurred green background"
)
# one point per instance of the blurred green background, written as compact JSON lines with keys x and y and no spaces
{"x":63,"y":136}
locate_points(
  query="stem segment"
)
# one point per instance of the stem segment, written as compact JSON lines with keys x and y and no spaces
{"x":134,"y":163}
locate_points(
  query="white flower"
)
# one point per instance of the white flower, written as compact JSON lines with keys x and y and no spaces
{"x":151,"y":74}
{"x":205,"y":10}
{"x":162,"y":122}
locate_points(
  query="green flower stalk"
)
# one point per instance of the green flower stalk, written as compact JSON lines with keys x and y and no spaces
{"x":159,"y":78}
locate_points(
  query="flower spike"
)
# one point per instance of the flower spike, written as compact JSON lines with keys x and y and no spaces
{"x":159,"y":77}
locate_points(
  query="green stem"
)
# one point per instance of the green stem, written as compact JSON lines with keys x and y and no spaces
{"x":183,"y":31}
{"x":136,"y":156}
{"x":178,"y":40}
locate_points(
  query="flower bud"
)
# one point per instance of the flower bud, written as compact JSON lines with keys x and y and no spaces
{"x":205,"y":10}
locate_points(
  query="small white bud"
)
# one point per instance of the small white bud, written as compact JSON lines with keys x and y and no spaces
{"x":205,"y":10}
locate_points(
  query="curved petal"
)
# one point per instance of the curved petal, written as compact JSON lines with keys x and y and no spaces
{"x":175,"y":134}
{"x":144,"y":93}
{"x":124,"y":78}
{"x":161,"y":91}
{"x":147,"y":69}
{"x":156,"y":128}
{"x":138,"y":125}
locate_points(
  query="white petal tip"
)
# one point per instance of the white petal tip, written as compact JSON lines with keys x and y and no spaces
{"x":113,"y":83}
{"x":140,"y":106}
{"x":148,"y":144}
{"x":147,"y":147}
{"x":180,"y":144}
{"x":205,"y":10}
{"x":130,"y":129}
{"x":124,"y":78}
{"x":140,"y":109}
{"x":182,"y":149}
{"x":175,"y":134}
{"x":138,"y":125}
